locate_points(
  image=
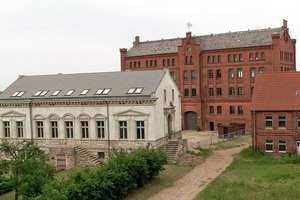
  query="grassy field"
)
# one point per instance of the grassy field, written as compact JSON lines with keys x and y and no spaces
{"x":262,"y":177}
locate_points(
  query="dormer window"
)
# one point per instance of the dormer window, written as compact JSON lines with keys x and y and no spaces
{"x":69,"y":93}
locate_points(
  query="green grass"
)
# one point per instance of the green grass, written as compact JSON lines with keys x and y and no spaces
{"x":165,"y":179}
{"x":257,"y":177}
{"x":233,"y":142}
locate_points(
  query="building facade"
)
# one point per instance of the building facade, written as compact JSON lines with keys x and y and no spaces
{"x":92,"y":112}
{"x":215,"y":73}
{"x":276,"y":112}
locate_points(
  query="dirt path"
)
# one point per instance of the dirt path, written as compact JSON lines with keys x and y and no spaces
{"x":196,"y":180}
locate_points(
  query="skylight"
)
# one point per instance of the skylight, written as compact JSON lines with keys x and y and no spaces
{"x":18,"y":94}
{"x":69,"y":92}
{"x":103,"y":91}
{"x":55,"y":93}
{"x":41,"y":93}
{"x":44,"y":93}
{"x":135,"y":90}
{"x":84,"y":92}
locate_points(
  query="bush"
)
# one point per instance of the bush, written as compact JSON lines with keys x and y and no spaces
{"x":6,"y":185}
{"x":113,"y":180}
{"x":252,"y":152}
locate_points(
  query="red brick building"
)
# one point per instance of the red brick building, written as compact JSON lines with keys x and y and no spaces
{"x":276,"y":112}
{"x":215,"y":73}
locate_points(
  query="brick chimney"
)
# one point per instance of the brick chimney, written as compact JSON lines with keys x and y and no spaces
{"x":284,"y":24}
{"x":137,"y":40}
{"x":188,"y":34}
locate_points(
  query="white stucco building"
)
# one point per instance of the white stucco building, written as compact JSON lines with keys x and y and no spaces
{"x":91,"y":112}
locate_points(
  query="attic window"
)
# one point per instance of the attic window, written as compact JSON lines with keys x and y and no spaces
{"x":18,"y":94}
{"x":41,"y":93}
{"x":103,"y":91}
{"x":84,"y":92}
{"x":135,"y":90}
{"x":69,"y":93}
{"x":55,"y":93}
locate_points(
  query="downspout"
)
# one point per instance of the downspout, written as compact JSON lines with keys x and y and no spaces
{"x":108,"y":133}
{"x":30,"y":120}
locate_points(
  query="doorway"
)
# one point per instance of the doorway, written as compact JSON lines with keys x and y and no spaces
{"x":191,"y":121}
{"x":211,"y":126}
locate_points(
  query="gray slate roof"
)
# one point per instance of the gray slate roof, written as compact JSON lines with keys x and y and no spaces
{"x":229,"y":40}
{"x":118,"y":82}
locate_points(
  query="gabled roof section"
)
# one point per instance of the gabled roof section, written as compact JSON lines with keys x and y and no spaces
{"x":276,"y":92}
{"x":250,"y":38}
{"x":116,"y":83}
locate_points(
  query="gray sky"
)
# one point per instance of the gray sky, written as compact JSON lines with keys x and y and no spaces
{"x":72,"y":36}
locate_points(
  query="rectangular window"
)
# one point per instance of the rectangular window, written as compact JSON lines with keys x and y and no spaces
{"x":211,"y":92}
{"x":219,"y":91}
{"x":219,"y":73}
{"x":185,"y":75}
{"x":269,"y":145}
{"x":298,"y":122}
{"x":186,"y":92}
{"x":211,"y":110}
{"x":229,"y":58}
{"x":40,"y":129}
{"x":231,"y":110}
{"x":69,"y":129}
{"x":241,"y":57}
{"x":193,"y":74}
{"x":100,"y":129}
{"x":253,"y":72}
{"x":84,"y":129}
{"x":231,"y":91}
{"x":123,"y":129}
{"x":235,"y":59}
{"x":210,"y":74}
{"x":173,"y":75}
{"x":140,"y":130}
{"x":6,"y":126}
{"x":240,"y":91}
{"x":194,"y":93}
{"x":231,"y":73}
{"x":240,"y":110}
{"x":165,"y":96}
{"x":173,"y":95}
{"x":281,"y":121}
{"x":219,"y":110}
{"x":262,"y":69}
{"x":282,"y":146}
{"x":269,"y":121}
{"x":240,"y":73}
{"x":54,"y":129}
{"x":20,"y":129}
{"x":263,"y":56}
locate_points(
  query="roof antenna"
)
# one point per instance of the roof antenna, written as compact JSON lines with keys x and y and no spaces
{"x":189,"y":26}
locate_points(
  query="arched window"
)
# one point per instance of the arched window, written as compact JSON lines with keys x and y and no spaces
{"x":191,"y":60}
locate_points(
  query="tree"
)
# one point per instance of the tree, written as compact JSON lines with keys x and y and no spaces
{"x":28,"y":166}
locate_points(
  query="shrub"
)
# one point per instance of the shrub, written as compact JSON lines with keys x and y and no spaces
{"x":6,"y":185}
{"x":252,"y":152}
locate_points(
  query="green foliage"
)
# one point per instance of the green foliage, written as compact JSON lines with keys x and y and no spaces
{"x":5,"y":185}
{"x":113,"y":180}
{"x":252,"y":152}
{"x":28,"y":167}
{"x":202,"y":152}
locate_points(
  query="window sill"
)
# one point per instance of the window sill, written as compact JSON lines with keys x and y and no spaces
{"x":269,"y":151}
{"x":269,"y":128}
{"x":281,"y":128}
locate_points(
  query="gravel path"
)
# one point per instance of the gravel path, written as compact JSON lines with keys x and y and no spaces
{"x":196,"y":180}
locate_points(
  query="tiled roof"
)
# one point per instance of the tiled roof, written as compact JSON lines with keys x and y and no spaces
{"x":276,"y":92}
{"x":118,"y":82}
{"x":250,"y":38}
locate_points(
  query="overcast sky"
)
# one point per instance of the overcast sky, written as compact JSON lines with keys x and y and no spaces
{"x":72,"y":36}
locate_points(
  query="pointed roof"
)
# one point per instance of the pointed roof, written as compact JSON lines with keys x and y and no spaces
{"x":142,"y":83}
{"x":276,"y":92}
{"x":249,"y":38}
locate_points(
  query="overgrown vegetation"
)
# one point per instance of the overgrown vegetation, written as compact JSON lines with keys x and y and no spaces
{"x":26,"y":168}
{"x":203,"y":152}
{"x":114,"y":180}
{"x":254,"y":175}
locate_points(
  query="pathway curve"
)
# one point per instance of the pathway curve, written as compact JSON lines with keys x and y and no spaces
{"x":196,"y":180}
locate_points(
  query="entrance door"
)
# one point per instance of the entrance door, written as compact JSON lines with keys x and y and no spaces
{"x":60,"y":162}
{"x":298,"y":146}
{"x":170,"y":132}
{"x":191,"y":121}
{"x":211,"y":126}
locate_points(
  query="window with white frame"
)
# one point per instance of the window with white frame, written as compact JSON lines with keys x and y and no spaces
{"x":54,"y":129}
{"x":240,"y":91}
{"x":253,"y":72}
{"x":231,"y":91}
{"x":20,"y":129}
{"x":140,"y":130}
{"x":269,"y":145}
{"x":100,"y":129}
{"x":6,"y":127}
{"x":84,"y":129}
{"x":69,"y":129}
{"x":231,"y":73}
{"x":240,"y":73}
{"x":282,"y":146}
{"x":40,"y":129}
{"x":123,"y":129}
{"x":269,"y":121}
